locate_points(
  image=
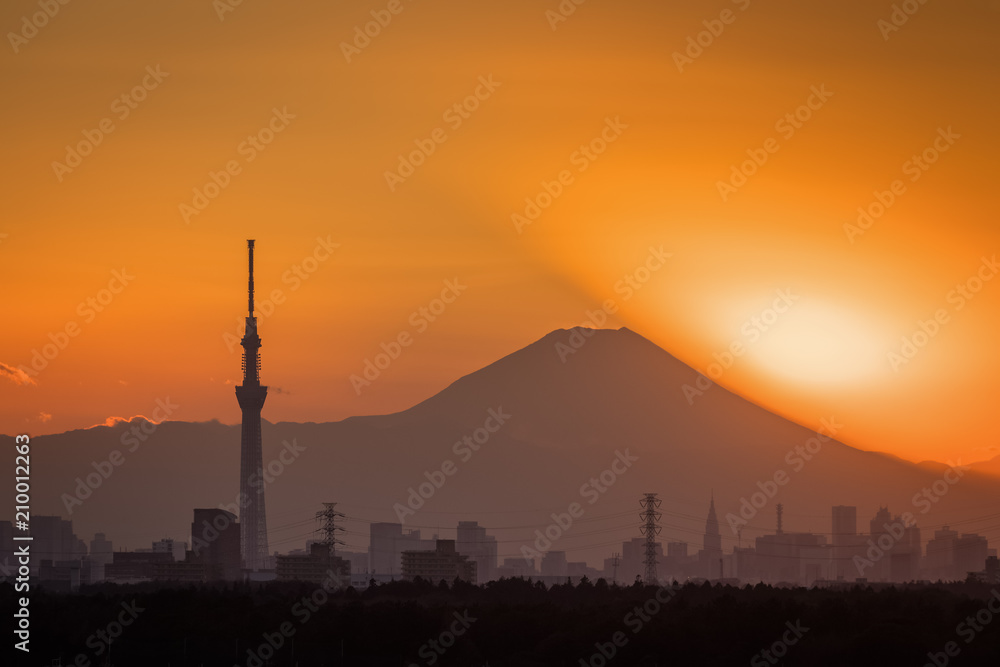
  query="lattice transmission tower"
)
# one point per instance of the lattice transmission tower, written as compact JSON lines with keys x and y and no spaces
{"x":329,"y":518}
{"x":650,"y":529}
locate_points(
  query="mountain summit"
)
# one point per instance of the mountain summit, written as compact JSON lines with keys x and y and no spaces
{"x":595,"y":417}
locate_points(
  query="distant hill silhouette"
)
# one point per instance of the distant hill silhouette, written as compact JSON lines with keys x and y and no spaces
{"x":617,"y":391}
{"x":991,"y":467}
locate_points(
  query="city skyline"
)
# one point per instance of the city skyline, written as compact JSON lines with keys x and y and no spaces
{"x":861,"y":121}
{"x":891,"y":551}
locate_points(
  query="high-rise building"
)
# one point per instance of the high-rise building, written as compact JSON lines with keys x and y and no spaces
{"x":479,"y":547}
{"x":940,"y":563}
{"x":878,"y":524}
{"x":951,"y":557}
{"x":251,"y":395}
{"x":53,"y":540}
{"x":971,"y":551}
{"x":790,"y":557}
{"x":444,"y":563}
{"x":215,"y":543}
{"x":168,"y":545}
{"x":900,"y":544}
{"x":554,"y":564}
{"x":101,"y":554}
{"x":633,"y":559}
{"x":844,"y":533}
{"x":845,"y":523}
{"x":386,"y":545}
{"x":178,"y":549}
{"x":320,"y":566}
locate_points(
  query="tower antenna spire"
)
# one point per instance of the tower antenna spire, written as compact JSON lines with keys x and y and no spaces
{"x":250,"y":284}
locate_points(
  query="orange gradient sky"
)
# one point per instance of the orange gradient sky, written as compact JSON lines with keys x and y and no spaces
{"x":609,"y":67}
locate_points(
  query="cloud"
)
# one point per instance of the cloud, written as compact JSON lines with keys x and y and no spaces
{"x":44,"y":417}
{"x":111,"y":421}
{"x":278,"y":390}
{"x":115,"y":421}
{"x":15,"y":375}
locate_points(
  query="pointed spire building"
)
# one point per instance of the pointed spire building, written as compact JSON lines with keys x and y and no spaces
{"x":713,"y":539}
{"x":710,"y":556}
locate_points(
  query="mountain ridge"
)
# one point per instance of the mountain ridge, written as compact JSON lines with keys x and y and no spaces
{"x":568,"y":417}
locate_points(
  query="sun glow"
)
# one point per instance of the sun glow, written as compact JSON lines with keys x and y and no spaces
{"x":820,"y":343}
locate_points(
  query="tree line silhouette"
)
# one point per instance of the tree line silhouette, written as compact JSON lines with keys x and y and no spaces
{"x":510,"y":622}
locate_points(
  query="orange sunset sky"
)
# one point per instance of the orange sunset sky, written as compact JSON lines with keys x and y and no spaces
{"x":662,"y":132}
